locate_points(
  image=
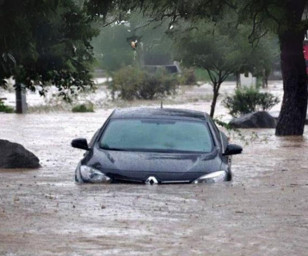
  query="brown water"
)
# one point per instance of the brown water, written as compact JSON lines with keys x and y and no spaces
{"x":263,"y":211}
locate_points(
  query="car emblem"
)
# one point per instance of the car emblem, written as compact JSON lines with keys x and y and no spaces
{"x":151,"y":180}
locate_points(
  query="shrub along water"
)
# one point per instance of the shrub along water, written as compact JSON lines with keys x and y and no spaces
{"x":4,"y":108}
{"x":83,"y":108}
{"x":249,"y":100}
{"x":134,"y":83}
{"x":187,"y":77}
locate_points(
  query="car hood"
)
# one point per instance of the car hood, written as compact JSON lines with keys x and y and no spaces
{"x":138,"y":166}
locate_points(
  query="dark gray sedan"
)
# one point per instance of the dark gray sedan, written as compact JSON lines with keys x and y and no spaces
{"x":152,"y":146}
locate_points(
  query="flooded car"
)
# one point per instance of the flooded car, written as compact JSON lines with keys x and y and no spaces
{"x":144,"y":145}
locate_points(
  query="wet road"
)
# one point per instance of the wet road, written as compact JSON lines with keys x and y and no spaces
{"x":263,"y":211}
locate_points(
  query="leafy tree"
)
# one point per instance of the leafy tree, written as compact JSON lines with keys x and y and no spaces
{"x":221,"y":52}
{"x":257,"y":59}
{"x":284,"y":17}
{"x":134,"y":83}
{"x":45,"y":42}
{"x":153,"y":36}
{"x":111,"y":48}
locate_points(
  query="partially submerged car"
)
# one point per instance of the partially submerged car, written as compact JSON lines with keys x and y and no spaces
{"x":145,"y":145}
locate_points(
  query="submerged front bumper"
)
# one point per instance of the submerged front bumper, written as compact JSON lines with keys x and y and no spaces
{"x":88,"y":174}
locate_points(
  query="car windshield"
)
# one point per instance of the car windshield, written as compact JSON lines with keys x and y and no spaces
{"x":157,"y":136}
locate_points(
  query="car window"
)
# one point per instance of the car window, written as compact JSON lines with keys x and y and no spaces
{"x":154,"y":135}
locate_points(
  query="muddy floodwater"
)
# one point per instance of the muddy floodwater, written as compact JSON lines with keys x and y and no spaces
{"x":263,"y":211}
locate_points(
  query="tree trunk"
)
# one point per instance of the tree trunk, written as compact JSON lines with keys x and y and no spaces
{"x":264,"y":79}
{"x":292,"y":116}
{"x":238,"y":80}
{"x":21,"y":102}
{"x":215,"y":96}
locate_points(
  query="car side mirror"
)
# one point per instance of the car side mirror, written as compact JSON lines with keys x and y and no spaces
{"x":80,"y":143}
{"x":233,"y":149}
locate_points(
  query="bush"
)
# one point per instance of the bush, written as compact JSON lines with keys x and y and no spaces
{"x":249,"y":100}
{"x":133,"y":83}
{"x":82,"y":108}
{"x":5,"y":109}
{"x":188,"y":77}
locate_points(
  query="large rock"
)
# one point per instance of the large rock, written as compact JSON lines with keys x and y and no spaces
{"x":260,"y":119}
{"x":13,"y":155}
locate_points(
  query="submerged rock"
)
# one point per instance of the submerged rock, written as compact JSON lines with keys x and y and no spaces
{"x":260,"y":119}
{"x":14,"y":155}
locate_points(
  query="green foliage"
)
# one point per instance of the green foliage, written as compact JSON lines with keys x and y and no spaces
{"x":111,"y":48}
{"x":5,"y":109}
{"x":188,"y":77}
{"x":204,"y":47}
{"x":45,"y":42}
{"x":274,"y":15}
{"x":83,"y":108}
{"x":285,"y":18}
{"x":158,"y":9}
{"x":202,"y":75}
{"x":249,"y":100}
{"x":152,"y":34}
{"x":223,"y":49}
{"x":133,"y":83}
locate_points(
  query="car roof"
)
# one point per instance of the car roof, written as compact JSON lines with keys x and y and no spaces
{"x":159,"y":113}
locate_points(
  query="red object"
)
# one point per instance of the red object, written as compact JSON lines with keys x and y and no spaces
{"x":305,"y":49}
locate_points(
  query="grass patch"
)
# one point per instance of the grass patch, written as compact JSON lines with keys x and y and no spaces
{"x":6,"y":109}
{"x":82,"y":108}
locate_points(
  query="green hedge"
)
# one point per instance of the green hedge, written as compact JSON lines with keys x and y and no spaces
{"x":133,"y":83}
{"x":249,"y":100}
